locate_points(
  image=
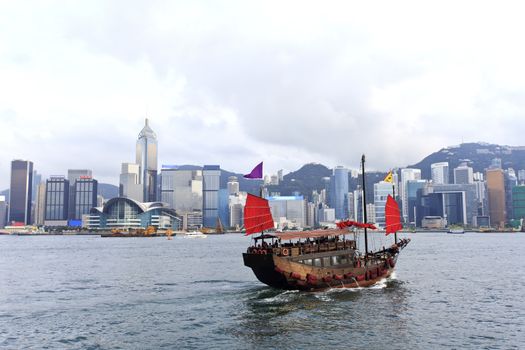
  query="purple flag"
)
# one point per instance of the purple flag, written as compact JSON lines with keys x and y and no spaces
{"x":256,"y":173}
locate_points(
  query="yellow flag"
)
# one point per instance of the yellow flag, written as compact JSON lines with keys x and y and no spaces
{"x":389,"y":177}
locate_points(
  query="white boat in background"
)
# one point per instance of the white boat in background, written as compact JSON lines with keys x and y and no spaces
{"x":456,"y":230}
{"x":195,"y":234}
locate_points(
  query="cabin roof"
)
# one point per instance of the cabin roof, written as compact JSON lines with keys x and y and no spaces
{"x":311,"y":234}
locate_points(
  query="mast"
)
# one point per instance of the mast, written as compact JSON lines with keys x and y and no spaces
{"x":394,"y":196}
{"x":365,"y":219}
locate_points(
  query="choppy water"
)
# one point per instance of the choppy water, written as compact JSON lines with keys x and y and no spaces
{"x":449,"y":291}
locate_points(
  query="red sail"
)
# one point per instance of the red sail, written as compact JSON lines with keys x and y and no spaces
{"x":257,"y":215}
{"x":392,"y":216}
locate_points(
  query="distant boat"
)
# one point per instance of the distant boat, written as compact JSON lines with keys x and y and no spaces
{"x":317,"y":259}
{"x":195,"y":234}
{"x":456,"y":230}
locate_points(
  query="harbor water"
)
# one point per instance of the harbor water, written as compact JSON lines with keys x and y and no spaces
{"x":86,"y":292}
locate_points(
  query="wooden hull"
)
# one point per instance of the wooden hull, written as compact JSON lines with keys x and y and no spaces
{"x":291,"y":274}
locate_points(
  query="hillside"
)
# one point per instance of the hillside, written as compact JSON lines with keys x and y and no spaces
{"x":478,"y":155}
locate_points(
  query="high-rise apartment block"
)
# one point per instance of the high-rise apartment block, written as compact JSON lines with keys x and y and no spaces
{"x":21,"y":188}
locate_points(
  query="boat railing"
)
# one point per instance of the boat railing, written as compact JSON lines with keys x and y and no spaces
{"x":297,"y":249}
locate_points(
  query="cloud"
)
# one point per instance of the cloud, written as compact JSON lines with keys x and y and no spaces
{"x":235,"y":82}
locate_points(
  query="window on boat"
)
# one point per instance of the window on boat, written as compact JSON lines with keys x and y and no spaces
{"x":307,"y":261}
{"x":336,"y":260}
{"x":326,"y":261}
{"x":317,"y":262}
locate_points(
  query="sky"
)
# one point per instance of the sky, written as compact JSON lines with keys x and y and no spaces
{"x":239,"y":82}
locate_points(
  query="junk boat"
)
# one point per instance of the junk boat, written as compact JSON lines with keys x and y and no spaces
{"x":319,"y":259}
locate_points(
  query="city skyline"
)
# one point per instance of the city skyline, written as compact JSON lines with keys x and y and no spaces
{"x":339,"y":80}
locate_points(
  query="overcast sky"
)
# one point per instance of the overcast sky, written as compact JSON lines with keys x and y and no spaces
{"x":237,"y":82}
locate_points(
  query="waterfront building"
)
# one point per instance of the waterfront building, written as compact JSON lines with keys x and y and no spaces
{"x":428,"y":204}
{"x":292,"y":208}
{"x":181,"y":189}
{"x":57,"y":201}
{"x":463,"y":174}
{"x":224,"y":215}
{"x":433,"y":222}
{"x":20,"y":192}
{"x":511,"y":181}
{"x":40,"y":204}
{"x":407,"y":174}
{"x":460,"y":204}
{"x":85,"y":196}
{"x":211,"y":176}
{"x":130,"y":186}
{"x":518,"y":202}
{"x":126,"y":213}
{"x":381,"y":191}
{"x":412,"y":187}
{"x":233,"y":185}
{"x":37,"y":179}
{"x":339,"y":192}
{"x":72,"y":176}
{"x":496,"y":196}
{"x":439,"y":172}
{"x":236,"y":203}
{"x":191,"y":220}
{"x":146,"y":158}
{"x":3,"y":211}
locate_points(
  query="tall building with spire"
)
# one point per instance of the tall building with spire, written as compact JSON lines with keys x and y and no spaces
{"x":147,"y":160}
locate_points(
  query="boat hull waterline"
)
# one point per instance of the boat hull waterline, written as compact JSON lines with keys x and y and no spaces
{"x":284,"y":272}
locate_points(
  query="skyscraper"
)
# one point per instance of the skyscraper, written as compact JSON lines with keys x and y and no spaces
{"x":339,"y":186}
{"x":407,"y":175}
{"x":147,"y":160}
{"x":233,"y":185}
{"x":3,"y":211}
{"x":181,"y":189}
{"x":129,"y":182}
{"x":72,"y":176}
{"x":57,"y":201}
{"x":381,"y":191}
{"x":496,"y":194}
{"x":211,"y":175}
{"x":439,"y":172}
{"x":463,"y":174}
{"x":85,"y":196}
{"x":21,"y":191}
{"x":40,"y":204}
